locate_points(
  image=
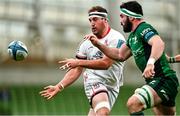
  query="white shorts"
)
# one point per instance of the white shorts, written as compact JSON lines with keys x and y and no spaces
{"x":92,"y":89}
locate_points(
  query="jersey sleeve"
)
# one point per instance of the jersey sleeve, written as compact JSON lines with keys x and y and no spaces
{"x":116,"y":43}
{"x":120,"y":42}
{"x":81,"y":51}
{"x":147,"y":32}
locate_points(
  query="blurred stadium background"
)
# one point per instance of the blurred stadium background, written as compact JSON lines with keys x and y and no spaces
{"x":52,"y":29}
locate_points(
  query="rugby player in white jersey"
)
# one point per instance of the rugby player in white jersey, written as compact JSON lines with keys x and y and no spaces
{"x":103,"y":76}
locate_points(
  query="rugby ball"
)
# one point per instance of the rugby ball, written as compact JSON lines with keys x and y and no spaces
{"x":17,"y":50}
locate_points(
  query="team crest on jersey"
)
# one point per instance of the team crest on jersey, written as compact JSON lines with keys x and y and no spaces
{"x":134,"y":40}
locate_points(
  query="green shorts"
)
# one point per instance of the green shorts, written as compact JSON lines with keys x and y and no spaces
{"x":166,"y":88}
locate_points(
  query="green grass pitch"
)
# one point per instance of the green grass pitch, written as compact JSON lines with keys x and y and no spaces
{"x":25,"y":100}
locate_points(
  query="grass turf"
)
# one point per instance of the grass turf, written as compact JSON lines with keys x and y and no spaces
{"x":25,"y":100}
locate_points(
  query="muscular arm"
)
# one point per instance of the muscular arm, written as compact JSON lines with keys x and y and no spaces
{"x":156,"y":52}
{"x":99,"y":64}
{"x":157,"y":47}
{"x":121,"y":54}
{"x":71,"y":76}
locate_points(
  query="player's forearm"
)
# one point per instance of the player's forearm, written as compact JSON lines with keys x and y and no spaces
{"x":173,"y":59}
{"x":95,"y":64}
{"x":112,"y":53}
{"x":70,"y":77}
{"x":157,"y":49}
{"x":177,"y":58}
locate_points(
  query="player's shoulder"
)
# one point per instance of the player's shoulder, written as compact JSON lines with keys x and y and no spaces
{"x":117,"y":35}
{"x":145,"y":28}
{"x":84,"y":42}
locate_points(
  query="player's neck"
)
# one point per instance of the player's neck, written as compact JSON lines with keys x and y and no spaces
{"x":104,"y":33}
{"x":136,"y":24}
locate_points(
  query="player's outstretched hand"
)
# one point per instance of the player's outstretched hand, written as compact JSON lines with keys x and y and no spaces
{"x":68,"y":64}
{"x":93,"y":39}
{"x":49,"y":91}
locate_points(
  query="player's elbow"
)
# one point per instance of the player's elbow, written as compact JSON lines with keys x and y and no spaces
{"x":105,"y":65}
{"x":121,"y":58}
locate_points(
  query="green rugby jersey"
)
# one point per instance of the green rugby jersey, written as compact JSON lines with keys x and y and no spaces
{"x":141,"y":50}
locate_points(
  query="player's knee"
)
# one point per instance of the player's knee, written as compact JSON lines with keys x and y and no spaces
{"x":141,"y":99}
{"x":102,"y":109}
{"x":144,"y":96}
{"x":134,"y":105}
{"x":102,"y":112}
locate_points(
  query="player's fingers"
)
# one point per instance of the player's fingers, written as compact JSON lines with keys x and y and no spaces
{"x":64,"y":67}
{"x":145,"y":74}
{"x":42,"y":92}
{"x":45,"y":94}
{"x":87,"y":36}
{"x":148,"y":74}
{"x":48,"y":87}
{"x":62,"y":62}
{"x":49,"y":97}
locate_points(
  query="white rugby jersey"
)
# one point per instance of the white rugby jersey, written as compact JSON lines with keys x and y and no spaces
{"x":113,"y":76}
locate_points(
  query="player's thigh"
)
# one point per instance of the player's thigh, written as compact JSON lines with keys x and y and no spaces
{"x":166,"y":89}
{"x":164,"y":110}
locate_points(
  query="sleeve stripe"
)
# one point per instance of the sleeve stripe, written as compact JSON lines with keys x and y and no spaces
{"x":81,"y":57}
{"x":120,"y":42}
{"x":148,"y":35}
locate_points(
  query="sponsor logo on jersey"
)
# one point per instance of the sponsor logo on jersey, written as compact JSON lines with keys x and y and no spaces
{"x":164,"y":94}
{"x":145,"y":31}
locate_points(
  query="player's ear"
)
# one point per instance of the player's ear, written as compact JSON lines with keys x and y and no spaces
{"x":131,"y":18}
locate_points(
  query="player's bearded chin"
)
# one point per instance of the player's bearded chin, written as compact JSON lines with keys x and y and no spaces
{"x":127,"y":27}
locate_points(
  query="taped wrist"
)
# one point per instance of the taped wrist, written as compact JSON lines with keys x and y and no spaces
{"x":60,"y":86}
{"x":151,"y":61}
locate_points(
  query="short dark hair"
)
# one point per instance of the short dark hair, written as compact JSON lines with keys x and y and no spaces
{"x":133,"y":6}
{"x":98,"y":9}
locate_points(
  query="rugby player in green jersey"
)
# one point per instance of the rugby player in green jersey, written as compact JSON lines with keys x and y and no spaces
{"x":147,"y":48}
